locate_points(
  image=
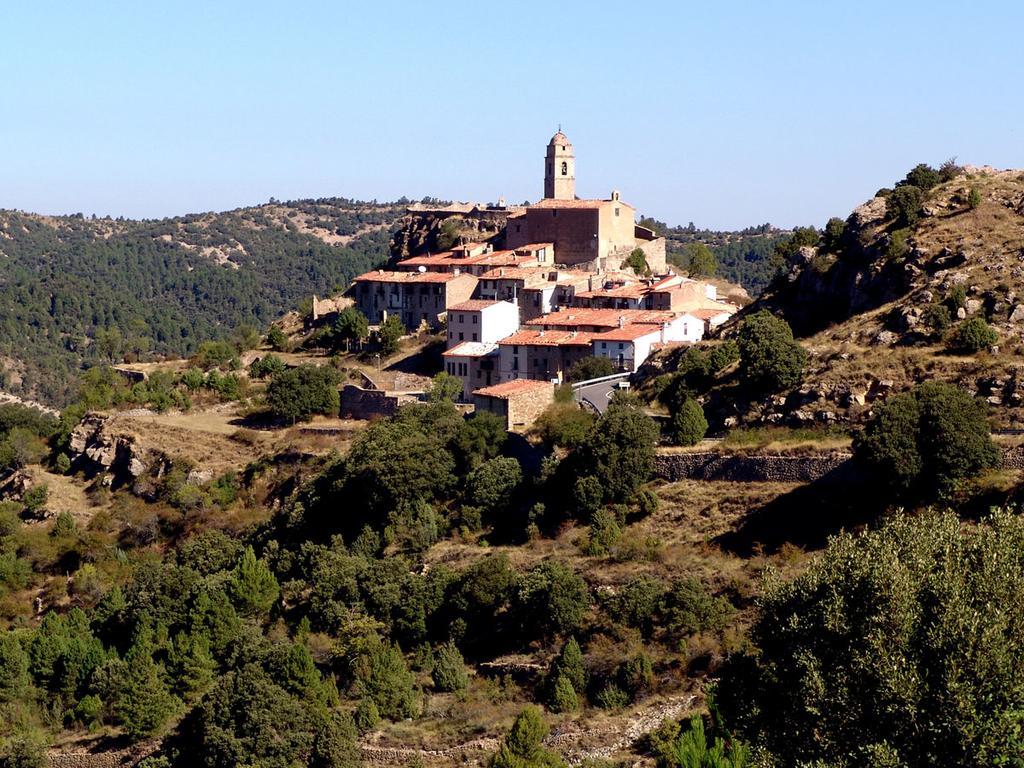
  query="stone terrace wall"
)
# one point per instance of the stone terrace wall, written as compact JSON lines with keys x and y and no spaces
{"x":759,"y":468}
{"x":746,"y":468}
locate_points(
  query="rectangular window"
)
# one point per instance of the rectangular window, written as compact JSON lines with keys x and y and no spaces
{"x":474,"y":336}
{"x":475,"y":319}
{"x":461,"y":336}
{"x":616,"y":211}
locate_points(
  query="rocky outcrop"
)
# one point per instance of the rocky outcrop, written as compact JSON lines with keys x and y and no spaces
{"x":430,"y":229}
{"x":99,"y":449}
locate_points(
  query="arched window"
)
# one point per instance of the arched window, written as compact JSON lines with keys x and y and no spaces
{"x":565,"y":169}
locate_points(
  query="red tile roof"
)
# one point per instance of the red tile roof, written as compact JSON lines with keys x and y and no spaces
{"x":516,"y":273}
{"x":629,"y":333}
{"x":474,"y":305}
{"x":607,"y":318}
{"x":547,"y":338}
{"x":593,"y":204}
{"x":513,"y":388}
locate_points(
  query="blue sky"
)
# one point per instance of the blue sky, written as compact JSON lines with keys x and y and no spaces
{"x":726,"y":114}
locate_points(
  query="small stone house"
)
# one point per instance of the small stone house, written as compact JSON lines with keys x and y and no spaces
{"x":518,"y":402}
{"x":483,"y":320}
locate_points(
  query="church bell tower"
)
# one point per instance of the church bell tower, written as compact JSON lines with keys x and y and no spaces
{"x":560,"y":169}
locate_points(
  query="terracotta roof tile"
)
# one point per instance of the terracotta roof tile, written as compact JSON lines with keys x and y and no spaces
{"x":475,"y":305}
{"x":512,"y":388}
{"x":383,"y":276}
{"x":546,"y":338}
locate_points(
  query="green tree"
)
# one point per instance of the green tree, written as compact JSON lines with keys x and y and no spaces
{"x":141,"y":699}
{"x":688,"y":423}
{"x":973,"y":198}
{"x":563,"y":697}
{"x":689,"y":748}
{"x":923,"y":442}
{"x":971,"y":336}
{"x":569,"y":665}
{"x":252,"y":586}
{"x":389,"y":334}
{"x":922,"y":176}
{"x":770,"y":360}
{"x":384,"y":677}
{"x":297,"y":394}
{"x":351,"y":326}
{"x":523,"y":746}
{"x":865,"y":652}
{"x":702,"y":262}
{"x":591,"y":368}
{"x":637,"y":261}
{"x":492,"y":485}
{"x":277,"y":339}
{"x":14,"y":678}
{"x":445,"y":387}
{"x":551,"y":599}
{"x":903,"y":206}
{"x":268,"y":365}
{"x":449,"y":673}
{"x":190,"y":665}
{"x":336,"y":744}
{"x":619,"y":451}
{"x":832,"y":235}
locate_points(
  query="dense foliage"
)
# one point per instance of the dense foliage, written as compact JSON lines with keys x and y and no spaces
{"x":924,"y":442}
{"x":770,"y":359}
{"x":79,"y":291}
{"x":897,"y":647}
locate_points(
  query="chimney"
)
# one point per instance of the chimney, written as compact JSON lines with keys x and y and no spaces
{"x":622,"y":321}
{"x":664,"y":332}
{"x":457,"y":271}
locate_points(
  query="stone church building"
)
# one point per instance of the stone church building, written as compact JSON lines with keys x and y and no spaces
{"x":587,"y":234}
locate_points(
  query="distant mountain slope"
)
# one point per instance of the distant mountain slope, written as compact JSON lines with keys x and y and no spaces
{"x":76,"y":291}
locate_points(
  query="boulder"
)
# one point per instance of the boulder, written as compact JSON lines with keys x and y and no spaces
{"x":1017,"y":313}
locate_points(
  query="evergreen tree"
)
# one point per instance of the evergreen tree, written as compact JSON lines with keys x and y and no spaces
{"x":449,"y":673}
{"x":252,"y":587}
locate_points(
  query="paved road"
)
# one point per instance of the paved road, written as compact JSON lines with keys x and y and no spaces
{"x":597,"y":394}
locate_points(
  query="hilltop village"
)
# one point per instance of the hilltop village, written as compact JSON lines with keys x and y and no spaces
{"x":559,"y":281}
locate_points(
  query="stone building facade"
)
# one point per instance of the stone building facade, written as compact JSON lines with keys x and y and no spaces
{"x":519,"y":402}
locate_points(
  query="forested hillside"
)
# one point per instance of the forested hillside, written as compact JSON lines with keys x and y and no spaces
{"x":79,"y":291}
{"x":742,"y":257}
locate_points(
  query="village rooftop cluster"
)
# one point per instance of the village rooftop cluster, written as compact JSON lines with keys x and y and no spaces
{"x":557,"y":289}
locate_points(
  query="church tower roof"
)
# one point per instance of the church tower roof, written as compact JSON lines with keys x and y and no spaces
{"x":559,"y":139}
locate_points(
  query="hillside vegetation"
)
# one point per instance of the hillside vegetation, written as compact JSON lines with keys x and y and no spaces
{"x":79,"y":291}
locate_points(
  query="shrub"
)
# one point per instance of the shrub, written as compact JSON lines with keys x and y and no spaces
{"x":636,"y":261}
{"x":265,"y":366}
{"x":603,"y":534}
{"x":689,"y":748}
{"x":551,"y":599}
{"x":903,"y":206}
{"x":449,"y":673}
{"x":277,"y":339}
{"x":688,"y":607}
{"x":688,"y":423}
{"x":881,"y":634}
{"x":612,"y":697}
{"x":770,"y":359}
{"x":937,"y":318}
{"x":389,"y":334}
{"x":384,"y":677}
{"x":563,"y":696}
{"x":921,"y":176}
{"x":973,"y":198}
{"x":366,"y":715}
{"x":646,"y":503}
{"x":299,"y":393}
{"x":523,"y":746}
{"x":924,"y":442}
{"x":971,"y":336}
{"x":587,"y":496}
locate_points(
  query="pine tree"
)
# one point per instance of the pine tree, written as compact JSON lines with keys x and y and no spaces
{"x":449,"y":673}
{"x":253,"y":588}
{"x":190,"y":665}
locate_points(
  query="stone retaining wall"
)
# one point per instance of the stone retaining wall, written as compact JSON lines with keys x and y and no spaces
{"x":746,"y":468}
